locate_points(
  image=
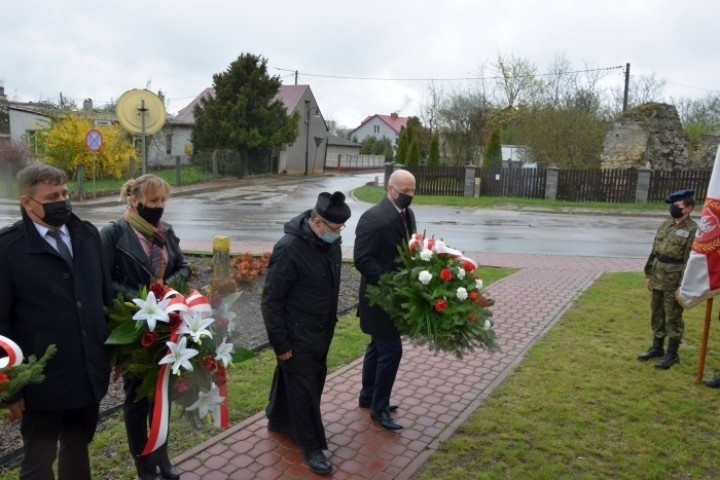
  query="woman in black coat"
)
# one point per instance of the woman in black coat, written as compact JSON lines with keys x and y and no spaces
{"x":140,"y":249}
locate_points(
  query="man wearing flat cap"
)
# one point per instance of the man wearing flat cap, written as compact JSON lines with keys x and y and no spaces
{"x":299,"y":308}
{"x":663,"y":274}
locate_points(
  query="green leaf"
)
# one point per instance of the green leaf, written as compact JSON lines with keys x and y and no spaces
{"x":128,"y":332}
{"x":241,"y":354}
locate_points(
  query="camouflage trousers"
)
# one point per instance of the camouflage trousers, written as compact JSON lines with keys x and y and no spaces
{"x":666,"y":319}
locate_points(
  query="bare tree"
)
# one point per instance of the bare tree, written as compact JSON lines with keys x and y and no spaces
{"x":432,"y":104}
{"x":516,"y":78}
{"x":464,"y":122}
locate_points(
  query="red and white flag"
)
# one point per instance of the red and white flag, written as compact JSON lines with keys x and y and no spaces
{"x":701,"y":279}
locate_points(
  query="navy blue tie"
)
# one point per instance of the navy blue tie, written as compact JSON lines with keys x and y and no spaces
{"x":62,"y":247}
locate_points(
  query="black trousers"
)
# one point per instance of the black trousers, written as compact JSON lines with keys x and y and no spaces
{"x":380,"y":366}
{"x":42,"y":430}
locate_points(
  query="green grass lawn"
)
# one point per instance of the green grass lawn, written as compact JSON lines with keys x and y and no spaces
{"x":372,"y":194}
{"x":580,"y":406}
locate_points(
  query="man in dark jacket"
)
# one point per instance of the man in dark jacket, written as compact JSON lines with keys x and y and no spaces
{"x":53,"y":287}
{"x":299,"y":308}
{"x":379,"y":232}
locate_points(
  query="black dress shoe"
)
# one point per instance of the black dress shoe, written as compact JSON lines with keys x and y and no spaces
{"x":713,"y":382}
{"x":362,"y":404}
{"x":317,"y":462}
{"x":167,"y":470}
{"x":385,"y":421}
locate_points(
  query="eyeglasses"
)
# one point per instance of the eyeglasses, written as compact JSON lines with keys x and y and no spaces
{"x":336,"y":229}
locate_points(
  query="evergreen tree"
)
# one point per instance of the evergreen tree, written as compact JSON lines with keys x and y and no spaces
{"x":493,"y":151}
{"x":244,"y":115}
{"x":413,"y":154}
{"x":434,"y":157}
{"x":403,"y":144}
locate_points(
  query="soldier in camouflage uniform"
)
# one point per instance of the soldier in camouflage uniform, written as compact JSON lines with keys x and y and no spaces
{"x":663,"y":273}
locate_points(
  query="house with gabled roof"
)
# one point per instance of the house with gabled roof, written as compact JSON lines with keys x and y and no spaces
{"x":380,"y":126}
{"x":306,"y":155}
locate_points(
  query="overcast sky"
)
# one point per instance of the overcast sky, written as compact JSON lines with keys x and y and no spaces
{"x":100,"y":49}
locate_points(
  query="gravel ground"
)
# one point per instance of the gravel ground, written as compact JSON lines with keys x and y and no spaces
{"x":249,"y":325}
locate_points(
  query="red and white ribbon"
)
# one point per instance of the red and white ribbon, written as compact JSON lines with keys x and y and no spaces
{"x":221,"y":413}
{"x":14,"y":354}
{"x":439,"y":247}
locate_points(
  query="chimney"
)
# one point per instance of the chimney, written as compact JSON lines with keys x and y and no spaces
{"x":162,"y":96}
{"x":88,"y":105}
{"x":394,"y":115}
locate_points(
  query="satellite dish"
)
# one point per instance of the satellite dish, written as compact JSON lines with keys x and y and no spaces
{"x":140,"y":112}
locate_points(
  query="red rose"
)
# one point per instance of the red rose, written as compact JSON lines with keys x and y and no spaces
{"x":157,"y":289}
{"x":474,"y":296}
{"x":4,"y":377}
{"x":220,"y":377}
{"x":175,"y":320}
{"x":484,"y":301}
{"x":148,"y":339}
{"x":440,"y":305}
{"x":210,"y":364}
{"x":469,"y":267}
{"x":181,"y":385}
{"x":221,"y":324}
{"x":445,"y":275}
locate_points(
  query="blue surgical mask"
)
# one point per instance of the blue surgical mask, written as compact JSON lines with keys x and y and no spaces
{"x":330,"y":237}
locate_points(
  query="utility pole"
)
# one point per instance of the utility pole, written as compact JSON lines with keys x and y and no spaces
{"x":296,"y":75}
{"x":627,"y":86}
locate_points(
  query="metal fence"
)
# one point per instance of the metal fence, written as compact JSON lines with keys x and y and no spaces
{"x":597,"y":185}
{"x":229,"y":163}
{"x":436,"y":181}
{"x":512,"y":182}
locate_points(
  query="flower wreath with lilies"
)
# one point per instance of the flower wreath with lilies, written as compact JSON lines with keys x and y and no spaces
{"x":172,"y":343}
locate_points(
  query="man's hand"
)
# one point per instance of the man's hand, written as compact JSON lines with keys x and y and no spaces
{"x":16,"y":410}
{"x":648,"y":284}
{"x":285,"y":356}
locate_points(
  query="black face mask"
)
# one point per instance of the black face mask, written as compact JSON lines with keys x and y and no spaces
{"x":149,"y":214}
{"x":403,"y":201}
{"x":56,"y":213}
{"x":675,"y":211}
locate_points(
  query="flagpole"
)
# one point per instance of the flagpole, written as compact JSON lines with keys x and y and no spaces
{"x":703,"y":344}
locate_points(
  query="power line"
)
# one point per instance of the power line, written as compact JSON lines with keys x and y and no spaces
{"x":452,"y":79}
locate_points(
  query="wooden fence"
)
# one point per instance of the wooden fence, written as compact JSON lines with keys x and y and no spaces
{"x":663,"y":182}
{"x":448,"y":181}
{"x":597,"y":185}
{"x":586,"y":185}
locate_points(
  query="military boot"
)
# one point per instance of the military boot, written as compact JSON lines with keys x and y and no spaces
{"x":146,"y":468}
{"x":671,"y":356}
{"x":655,"y":351}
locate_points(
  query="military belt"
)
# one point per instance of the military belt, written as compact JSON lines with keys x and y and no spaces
{"x":673,"y":261}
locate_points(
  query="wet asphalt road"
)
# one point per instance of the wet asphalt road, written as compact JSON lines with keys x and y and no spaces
{"x":256,"y":213}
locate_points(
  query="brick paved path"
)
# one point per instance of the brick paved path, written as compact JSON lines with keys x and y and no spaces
{"x":436,"y":393}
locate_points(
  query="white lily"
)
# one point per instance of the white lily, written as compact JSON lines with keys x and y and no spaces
{"x":207,"y":401}
{"x":196,"y":326}
{"x":151,"y":311}
{"x":179,"y":355}
{"x":223,"y":353}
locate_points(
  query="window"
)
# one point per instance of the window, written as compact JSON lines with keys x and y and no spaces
{"x":168,"y":143}
{"x":376,"y":129}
